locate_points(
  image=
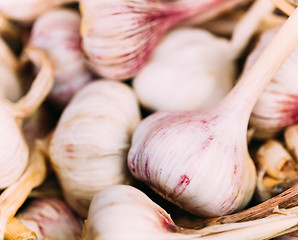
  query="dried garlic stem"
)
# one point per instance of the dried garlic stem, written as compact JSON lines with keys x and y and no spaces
{"x":15,"y":195}
{"x":40,"y":87}
{"x":15,"y":230}
{"x":284,"y":6}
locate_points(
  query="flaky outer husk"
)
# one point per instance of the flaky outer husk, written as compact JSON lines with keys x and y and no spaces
{"x":50,"y":218}
{"x":57,"y":32}
{"x":89,"y":146}
{"x":27,"y":11}
{"x":14,"y":151}
{"x":182,"y":74}
{"x":119,"y":36}
{"x":179,"y":153}
{"x":276,"y":108}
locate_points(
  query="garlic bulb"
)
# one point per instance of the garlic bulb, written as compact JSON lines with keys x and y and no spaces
{"x":9,"y":82}
{"x":277,"y":170}
{"x":193,"y":69}
{"x":179,"y":153}
{"x":14,"y":150}
{"x":57,"y":32}
{"x":50,"y":218}
{"x":124,"y":212}
{"x":119,"y":36}
{"x":27,"y":11}
{"x":276,"y":107}
{"x":89,"y":146}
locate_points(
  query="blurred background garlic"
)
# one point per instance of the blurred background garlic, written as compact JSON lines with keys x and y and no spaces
{"x":276,"y":108}
{"x":193,"y":69}
{"x":89,"y":146}
{"x":124,"y":212}
{"x":57,"y":32}
{"x":26,"y":11}
{"x":178,"y":153}
{"x":119,"y":36}
{"x":14,"y":150}
{"x":51,"y":218}
{"x":10,"y":86}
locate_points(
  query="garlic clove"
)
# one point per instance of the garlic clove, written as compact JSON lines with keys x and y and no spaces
{"x":120,"y":36}
{"x":124,"y":212}
{"x":57,"y":32}
{"x":178,"y":153}
{"x":50,"y":218}
{"x":27,"y":12}
{"x":277,"y":170}
{"x":291,"y":138}
{"x":89,"y":146}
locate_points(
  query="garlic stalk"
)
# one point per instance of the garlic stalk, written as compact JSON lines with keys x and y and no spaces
{"x":124,"y":212}
{"x":50,"y":218}
{"x":89,"y":146}
{"x":177,"y":153}
{"x":27,"y":11}
{"x":276,"y":107}
{"x":277,"y":170}
{"x":12,"y":198}
{"x":14,"y":154}
{"x":9,"y":82}
{"x":119,"y":36}
{"x":16,"y":230}
{"x":193,"y":69}
{"x":290,"y":236}
{"x":57,"y":32}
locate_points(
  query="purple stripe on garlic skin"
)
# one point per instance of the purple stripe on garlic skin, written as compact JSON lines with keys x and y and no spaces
{"x":27,"y":11}
{"x":193,"y":69}
{"x":51,"y":218}
{"x":57,"y":32}
{"x":90,"y":143}
{"x":202,"y":145}
{"x":119,"y":36}
{"x":276,"y":108}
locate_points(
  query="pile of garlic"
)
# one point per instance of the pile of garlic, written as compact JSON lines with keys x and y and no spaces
{"x":137,"y":105}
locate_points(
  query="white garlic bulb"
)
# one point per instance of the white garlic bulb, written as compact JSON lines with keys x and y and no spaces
{"x":89,"y":146}
{"x":9,"y":81}
{"x":119,"y":36}
{"x":50,"y":218}
{"x":27,"y":11}
{"x":14,"y":150}
{"x":57,"y":32}
{"x":276,"y":108}
{"x":124,"y":212}
{"x":193,"y":69}
{"x":178,"y":153}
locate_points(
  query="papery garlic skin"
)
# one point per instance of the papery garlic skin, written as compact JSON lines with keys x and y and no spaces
{"x":57,"y":32}
{"x":14,"y":151}
{"x":89,"y":147}
{"x":27,"y":11}
{"x":50,"y":218}
{"x":190,"y":69}
{"x":276,"y":108}
{"x":180,"y":155}
{"x":119,"y":36}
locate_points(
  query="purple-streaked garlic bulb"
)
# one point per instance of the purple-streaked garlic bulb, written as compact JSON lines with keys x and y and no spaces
{"x":57,"y":32}
{"x":276,"y":107}
{"x":10,"y":86}
{"x":200,"y":160}
{"x":89,"y":146}
{"x":14,"y":149}
{"x":193,"y":69}
{"x":51,"y":218}
{"x":119,"y":36}
{"x":124,"y":212}
{"x":27,"y":11}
